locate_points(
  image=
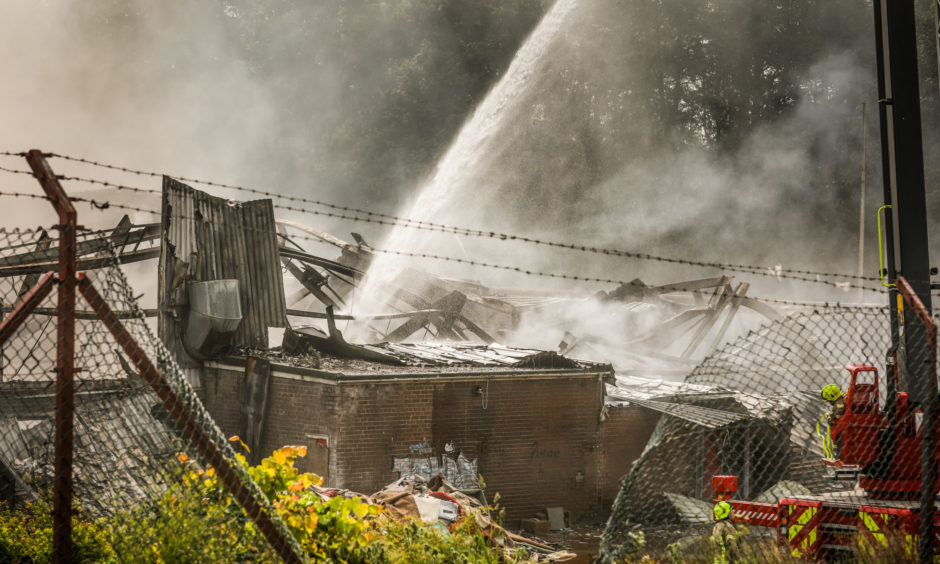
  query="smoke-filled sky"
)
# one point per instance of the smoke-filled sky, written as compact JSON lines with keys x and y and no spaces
{"x":355,"y":104}
{"x":287,"y":97}
{"x":573,"y":145}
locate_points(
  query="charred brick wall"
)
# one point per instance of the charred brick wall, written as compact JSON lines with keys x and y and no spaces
{"x":538,"y":441}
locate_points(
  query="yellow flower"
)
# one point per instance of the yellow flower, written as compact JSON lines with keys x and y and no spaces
{"x":310,"y":522}
{"x":282,"y":455}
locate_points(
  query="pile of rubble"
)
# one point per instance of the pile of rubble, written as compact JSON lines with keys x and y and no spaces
{"x":440,"y":504}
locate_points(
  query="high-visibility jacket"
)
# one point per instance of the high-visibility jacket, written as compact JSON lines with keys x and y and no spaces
{"x":837,"y":409}
{"x":724,"y":542}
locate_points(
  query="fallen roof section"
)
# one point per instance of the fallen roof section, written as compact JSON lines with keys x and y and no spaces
{"x":420,"y":361}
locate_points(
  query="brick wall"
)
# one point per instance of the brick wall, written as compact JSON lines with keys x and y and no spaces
{"x":296,"y":410}
{"x":538,"y":441}
{"x":623,"y":437}
{"x":531,"y":440}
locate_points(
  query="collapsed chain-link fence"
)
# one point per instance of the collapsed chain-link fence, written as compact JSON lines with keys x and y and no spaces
{"x":811,"y":479}
{"x":138,"y":467}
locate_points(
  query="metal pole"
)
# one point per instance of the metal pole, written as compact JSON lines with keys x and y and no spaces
{"x":861,"y":212}
{"x":928,"y":493}
{"x":928,"y":498}
{"x":747,"y":462}
{"x":27,"y":305}
{"x":65,"y":357}
{"x":936,"y":27}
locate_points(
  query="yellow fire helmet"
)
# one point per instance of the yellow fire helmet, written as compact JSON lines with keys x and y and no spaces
{"x":831,"y":392}
{"x":722,"y":510}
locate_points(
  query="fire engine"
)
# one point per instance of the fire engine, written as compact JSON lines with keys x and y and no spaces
{"x":885,"y":442}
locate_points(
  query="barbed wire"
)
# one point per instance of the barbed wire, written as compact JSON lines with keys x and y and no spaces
{"x":776,"y":275}
{"x":84,"y":234}
{"x":790,"y":274}
{"x":529,"y":272}
{"x":94,"y":203}
{"x":431,"y":226}
{"x":510,"y":268}
{"x":16,"y":171}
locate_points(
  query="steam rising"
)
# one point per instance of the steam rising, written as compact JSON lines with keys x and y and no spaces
{"x":566,"y":148}
{"x":572,"y":144}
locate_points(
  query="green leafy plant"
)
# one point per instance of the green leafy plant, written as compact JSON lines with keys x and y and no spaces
{"x":26,"y":532}
{"x":197,"y":520}
{"x":414,"y":541}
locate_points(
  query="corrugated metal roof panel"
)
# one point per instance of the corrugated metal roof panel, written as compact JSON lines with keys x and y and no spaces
{"x":453,"y":354}
{"x":221,"y":239}
{"x":704,"y":416}
{"x":649,"y":388}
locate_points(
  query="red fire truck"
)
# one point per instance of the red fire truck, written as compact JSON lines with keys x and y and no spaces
{"x":887,"y":444}
{"x":881,"y":450}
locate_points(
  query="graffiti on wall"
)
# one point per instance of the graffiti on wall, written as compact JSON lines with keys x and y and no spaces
{"x":452,"y":465}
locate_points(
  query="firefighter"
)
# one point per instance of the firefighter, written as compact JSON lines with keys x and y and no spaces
{"x":724,"y":536}
{"x":833,"y":394}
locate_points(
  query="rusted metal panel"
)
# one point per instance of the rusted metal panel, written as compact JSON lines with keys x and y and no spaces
{"x":210,"y":238}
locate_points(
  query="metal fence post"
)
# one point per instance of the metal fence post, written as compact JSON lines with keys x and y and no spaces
{"x":65,"y":357}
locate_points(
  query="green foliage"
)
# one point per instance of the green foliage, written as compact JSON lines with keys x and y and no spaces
{"x":26,"y":531}
{"x":413,"y":541}
{"x":892,"y":549}
{"x":196,"y":520}
{"x":193,"y":521}
{"x":698,"y":550}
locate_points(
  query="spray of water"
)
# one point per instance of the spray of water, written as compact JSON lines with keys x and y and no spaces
{"x":467,"y":153}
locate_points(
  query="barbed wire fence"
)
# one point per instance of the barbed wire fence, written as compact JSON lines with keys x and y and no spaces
{"x":108,"y":432}
{"x":310,"y":206}
{"x":841,"y":285}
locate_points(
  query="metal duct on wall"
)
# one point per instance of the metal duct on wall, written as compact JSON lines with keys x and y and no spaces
{"x":214,"y":315}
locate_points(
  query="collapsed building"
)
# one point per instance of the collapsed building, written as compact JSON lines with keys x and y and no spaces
{"x":250,"y":316}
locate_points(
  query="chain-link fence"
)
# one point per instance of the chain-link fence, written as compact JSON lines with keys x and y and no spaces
{"x":805,"y":477}
{"x":126,"y":440}
{"x":752,"y":426}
